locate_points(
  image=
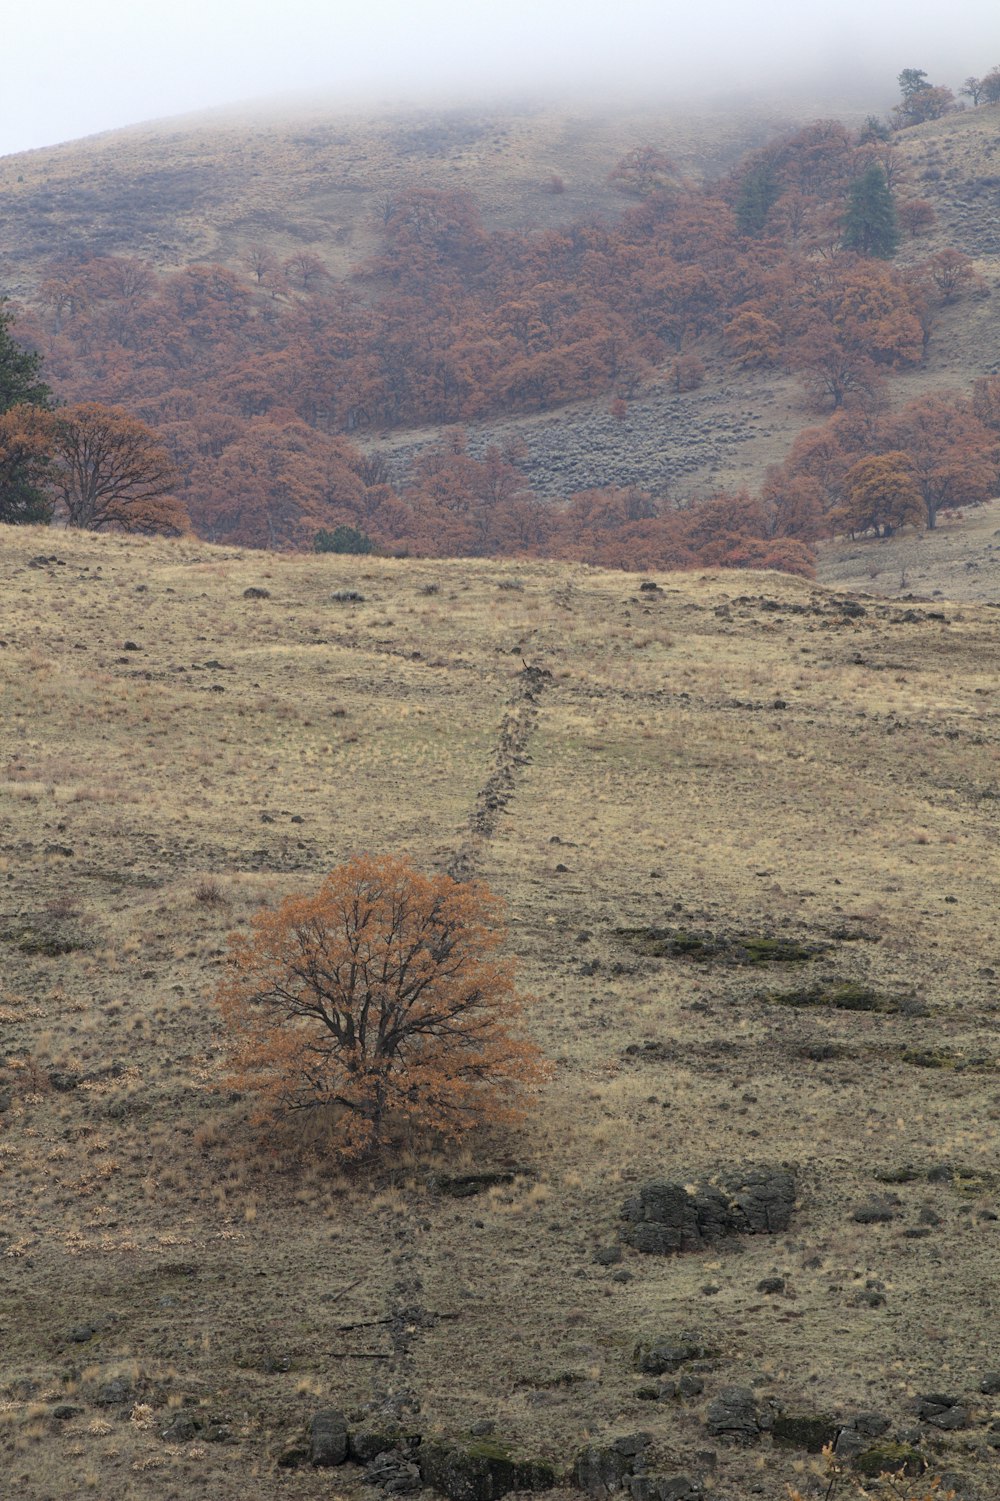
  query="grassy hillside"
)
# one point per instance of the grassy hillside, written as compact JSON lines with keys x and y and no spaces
{"x":207,"y":189}
{"x":740,"y":756}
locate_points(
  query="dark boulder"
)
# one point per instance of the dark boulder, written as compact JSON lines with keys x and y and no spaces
{"x":665,"y":1218}
{"x":328,"y":1438}
{"x":736,"y":1414}
{"x":481,"y":1471}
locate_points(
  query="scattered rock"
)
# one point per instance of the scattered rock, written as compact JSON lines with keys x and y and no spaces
{"x":367,"y":1443}
{"x":660,"y":1356}
{"x":483,"y":1470}
{"x":664,"y":1488}
{"x":735,"y":1414}
{"x":990,"y":1384}
{"x":328,"y":1438}
{"x":608,"y":1255}
{"x":394,"y":1474}
{"x":771,"y":1285}
{"x":875,"y":1212}
{"x":808,"y":1431}
{"x":942,"y":1411}
{"x":664,"y":1218}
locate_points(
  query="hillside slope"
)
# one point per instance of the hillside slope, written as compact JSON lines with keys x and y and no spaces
{"x":740,"y":757}
{"x":194,"y":191}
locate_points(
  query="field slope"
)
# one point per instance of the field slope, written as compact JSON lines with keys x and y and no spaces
{"x":735,"y":756}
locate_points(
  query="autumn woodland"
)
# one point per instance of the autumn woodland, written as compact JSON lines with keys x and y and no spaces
{"x":268,"y":380}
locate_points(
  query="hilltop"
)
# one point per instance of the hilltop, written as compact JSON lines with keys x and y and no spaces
{"x":718,"y":769}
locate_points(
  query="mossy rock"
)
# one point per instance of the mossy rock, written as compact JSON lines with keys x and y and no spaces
{"x":49,"y":943}
{"x":481,"y":1470}
{"x":844,"y":997}
{"x":737,"y":948}
{"x":808,"y":1431}
{"x":945,"y":1058}
{"x":929,"y":1058}
{"x":888,"y":1459}
{"x":904,"y":1174}
{"x":761,"y":950}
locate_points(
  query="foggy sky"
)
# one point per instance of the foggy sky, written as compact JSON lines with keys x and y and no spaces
{"x":74,"y":67}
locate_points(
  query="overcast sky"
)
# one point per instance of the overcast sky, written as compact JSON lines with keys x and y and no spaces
{"x":74,"y":67}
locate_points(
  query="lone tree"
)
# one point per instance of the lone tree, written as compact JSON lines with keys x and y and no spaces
{"x":111,"y":472}
{"x":382,"y":1001}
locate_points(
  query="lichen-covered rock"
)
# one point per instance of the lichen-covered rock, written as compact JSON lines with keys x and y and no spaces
{"x":809,"y":1431}
{"x":667,"y":1217}
{"x":481,"y":1471}
{"x":887,"y":1458}
{"x":327,"y":1438}
{"x":736,"y":1414}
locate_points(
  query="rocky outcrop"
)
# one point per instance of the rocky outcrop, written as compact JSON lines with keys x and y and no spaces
{"x":666,"y":1218}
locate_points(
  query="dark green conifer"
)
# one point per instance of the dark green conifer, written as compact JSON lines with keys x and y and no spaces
{"x":870,"y":222}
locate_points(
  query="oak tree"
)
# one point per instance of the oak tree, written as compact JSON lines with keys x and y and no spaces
{"x":110,"y":472}
{"x":381,"y":1000}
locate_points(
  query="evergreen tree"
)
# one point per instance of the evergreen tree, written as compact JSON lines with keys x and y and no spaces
{"x":343,"y":539}
{"x":758,"y":192}
{"x":870,"y":222}
{"x":23,"y":436}
{"x":19,"y":372}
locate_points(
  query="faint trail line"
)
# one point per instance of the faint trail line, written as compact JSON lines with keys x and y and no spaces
{"x":513,"y":737}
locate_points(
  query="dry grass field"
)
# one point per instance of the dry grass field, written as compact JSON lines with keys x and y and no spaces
{"x":729,"y":753}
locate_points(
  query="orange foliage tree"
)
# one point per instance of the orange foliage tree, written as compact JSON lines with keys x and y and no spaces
{"x":882,"y":495}
{"x":382,"y":1000}
{"x":111,"y":472}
